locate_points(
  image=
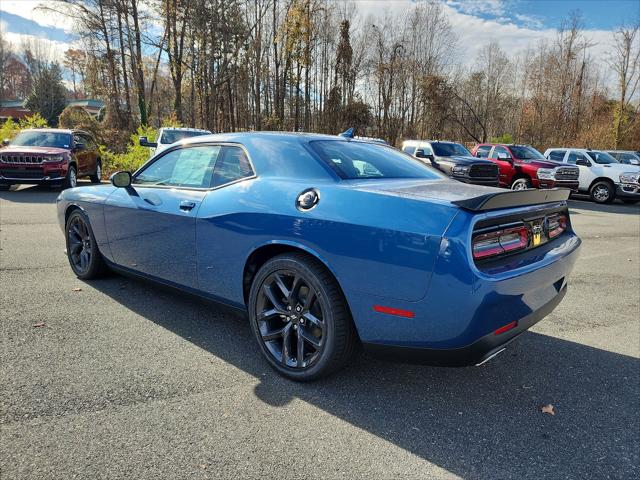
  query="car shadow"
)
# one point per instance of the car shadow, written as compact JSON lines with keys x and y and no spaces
{"x":477,"y":422}
{"x":36,"y":193}
{"x":616,"y":207}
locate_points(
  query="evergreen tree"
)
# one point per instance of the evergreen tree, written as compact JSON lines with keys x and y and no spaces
{"x":48,"y":97}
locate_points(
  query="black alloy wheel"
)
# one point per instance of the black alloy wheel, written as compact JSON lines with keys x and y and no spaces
{"x":300,"y":318}
{"x":82,"y":251}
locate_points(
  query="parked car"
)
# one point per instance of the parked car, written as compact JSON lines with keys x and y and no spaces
{"x":522,"y":167}
{"x":454,"y":160}
{"x":167,"y":136}
{"x":601,"y":176}
{"x":49,"y":156}
{"x":327,"y":242}
{"x":625,"y":156}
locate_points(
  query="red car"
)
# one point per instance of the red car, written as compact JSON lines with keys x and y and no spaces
{"x":49,"y":156}
{"x":522,"y":167}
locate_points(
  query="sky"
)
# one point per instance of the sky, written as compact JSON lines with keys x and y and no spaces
{"x":514,"y":24}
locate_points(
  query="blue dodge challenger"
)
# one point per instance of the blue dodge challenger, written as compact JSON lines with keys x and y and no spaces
{"x":330,"y":243}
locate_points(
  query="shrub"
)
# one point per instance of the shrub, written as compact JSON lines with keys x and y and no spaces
{"x":8,"y":130}
{"x":77,"y":117}
{"x":134,"y":155}
{"x":504,"y":138}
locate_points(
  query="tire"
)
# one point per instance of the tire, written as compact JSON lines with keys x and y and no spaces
{"x":82,"y":250}
{"x":5,"y":187}
{"x":282,"y":311}
{"x":71,"y":180}
{"x":602,"y":192}
{"x":521,"y":183}
{"x":96,"y":177}
{"x":630,"y":201}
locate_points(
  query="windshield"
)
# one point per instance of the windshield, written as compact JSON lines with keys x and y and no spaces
{"x":449,"y":149}
{"x":354,"y":160}
{"x":33,"y":138}
{"x":526,"y":153}
{"x":173,"y":136}
{"x":602,"y":158}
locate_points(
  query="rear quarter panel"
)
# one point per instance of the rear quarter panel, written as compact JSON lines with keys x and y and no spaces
{"x":373,"y":243}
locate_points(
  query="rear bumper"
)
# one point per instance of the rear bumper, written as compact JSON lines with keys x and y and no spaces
{"x":475,"y":353}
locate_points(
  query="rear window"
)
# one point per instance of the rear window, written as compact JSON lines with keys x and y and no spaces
{"x":353,"y":160}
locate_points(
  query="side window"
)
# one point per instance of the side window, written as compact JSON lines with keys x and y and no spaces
{"x":88,"y":142}
{"x":500,"y":150}
{"x":232,"y":165}
{"x":557,"y":155}
{"x":77,"y":138}
{"x":574,"y":156}
{"x":483,"y":151}
{"x":427,"y":149}
{"x":626,"y":157}
{"x":185,"y":167}
{"x":409,"y":149}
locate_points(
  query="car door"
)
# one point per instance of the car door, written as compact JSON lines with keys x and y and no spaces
{"x":81,"y":153}
{"x":222,"y":242}
{"x":91,"y":149}
{"x":586,"y":175}
{"x":151,"y":225}
{"x":500,"y":156}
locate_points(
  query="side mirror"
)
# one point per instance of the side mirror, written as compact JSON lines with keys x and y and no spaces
{"x":504,"y":156}
{"x":79,"y":146}
{"x":5,"y":142}
{"x":583,"y":162}
{"x":420,"y":153}
{"x":146,"y":143}
{"x":121,"y":179}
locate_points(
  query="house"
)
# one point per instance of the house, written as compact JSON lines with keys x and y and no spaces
{"x":16,"y":110}
{"x":13,"y":109}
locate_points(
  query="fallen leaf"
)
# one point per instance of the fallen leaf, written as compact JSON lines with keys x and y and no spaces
{"x":38,"y":325}
{"x":77,"y":289}
{"x":550,"y":409}
{"x":204,"y":466}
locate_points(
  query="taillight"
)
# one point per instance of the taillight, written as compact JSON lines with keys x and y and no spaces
{"x":499,"y":242}
{"x":557,"y":225}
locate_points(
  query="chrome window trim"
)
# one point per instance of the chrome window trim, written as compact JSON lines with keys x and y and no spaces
{"x":152,"y":160}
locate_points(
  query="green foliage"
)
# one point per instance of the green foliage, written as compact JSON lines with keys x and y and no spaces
{"x":48,"y":96}
{"x":33,"y":121}
{"x":504,"y":138}
{"x":171,"y":121}
{"x":134,"y":155}
{"x":8,"y":130}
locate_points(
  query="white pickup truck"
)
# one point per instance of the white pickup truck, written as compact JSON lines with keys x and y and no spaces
{"x":168,"y":136}
{"x":601,"y":175}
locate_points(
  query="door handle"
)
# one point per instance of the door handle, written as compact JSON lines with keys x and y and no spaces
{"x":187,"y":205}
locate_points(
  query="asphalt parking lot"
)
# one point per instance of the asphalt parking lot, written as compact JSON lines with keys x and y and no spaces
{"x":128,"y":380}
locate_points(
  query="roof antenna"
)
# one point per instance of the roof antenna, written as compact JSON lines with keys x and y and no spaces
{"x":348,"y":133}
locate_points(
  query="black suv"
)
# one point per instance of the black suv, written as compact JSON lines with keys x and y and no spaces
{"x":454,"y":160}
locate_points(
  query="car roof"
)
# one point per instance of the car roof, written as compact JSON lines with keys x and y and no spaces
{"x":278,"y":136}
{"x":52,"y":130}
{"x":185,"y":129}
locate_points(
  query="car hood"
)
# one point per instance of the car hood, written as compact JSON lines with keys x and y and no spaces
{"x":619,"y":167}
{"x":545,"y":163}
{"x":40,"y":150}
{"x":462,"y":160}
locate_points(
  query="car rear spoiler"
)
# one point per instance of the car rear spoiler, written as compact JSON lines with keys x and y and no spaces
{"x":511,"y":199}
